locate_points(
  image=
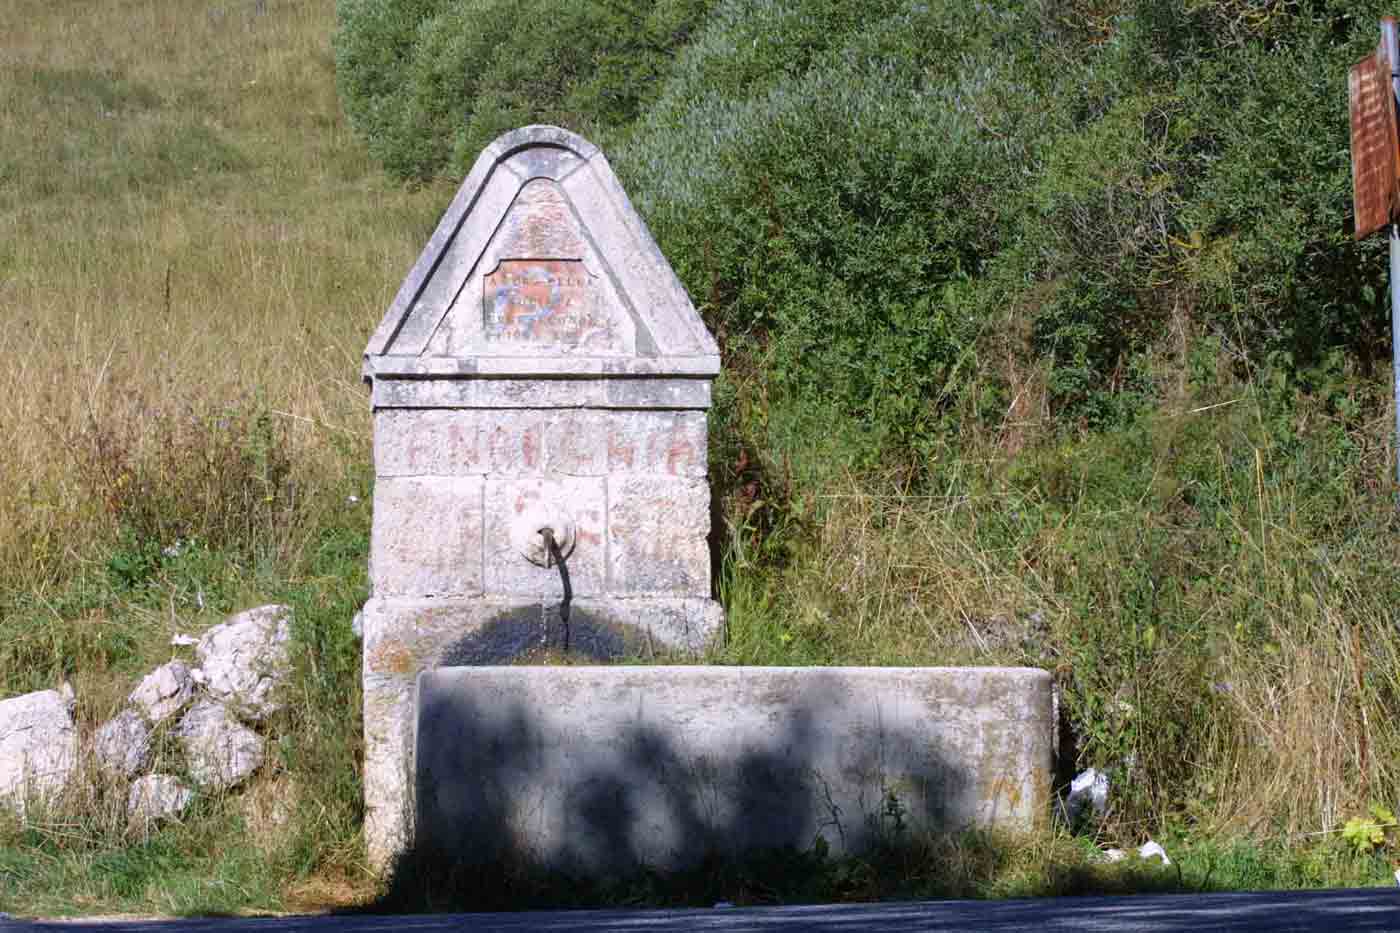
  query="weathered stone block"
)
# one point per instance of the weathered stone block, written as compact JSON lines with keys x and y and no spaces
{"x":670,"y":443}
{"x":516,"y":442}
{"x":428,"y":442}
{"x":658,"y":393}
{"x":555,"y":391}
{"x":527,"y":442}
{"x":689,"y":625}
{"x":390,"y":393}
{"x":403,"y":637}
{"x":576,"y":443}
{"x":578,"y":500}
{"x":426,"y":537}
{"x":538,"y":393}
{"x":388,"y":713}
{"x":601,"y":770}
{"x":657,"y":531}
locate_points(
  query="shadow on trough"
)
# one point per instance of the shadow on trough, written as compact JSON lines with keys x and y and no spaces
{"x":513,"y":814}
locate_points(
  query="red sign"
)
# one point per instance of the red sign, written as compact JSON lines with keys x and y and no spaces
{"x":1375,"y":147}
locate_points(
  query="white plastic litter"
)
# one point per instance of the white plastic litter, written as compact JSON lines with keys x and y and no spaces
{"x":1088,"y":789}
{"x":182,"y":641}
{"x":1151,"y":849}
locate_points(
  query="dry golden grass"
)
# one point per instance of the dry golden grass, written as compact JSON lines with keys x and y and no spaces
{"x":193,"y":251}
{"x":1312,"y":744}
{"x":920,"y":560}
{"x":188,"y":223}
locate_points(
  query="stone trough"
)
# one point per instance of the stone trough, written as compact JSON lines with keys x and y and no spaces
{"x":540,"y":387}
{"x":606,"y":770}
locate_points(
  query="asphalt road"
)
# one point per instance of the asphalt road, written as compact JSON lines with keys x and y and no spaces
{"x":1370,"y":909}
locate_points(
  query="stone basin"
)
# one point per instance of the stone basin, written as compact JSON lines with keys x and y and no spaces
{"x":600,"y":770}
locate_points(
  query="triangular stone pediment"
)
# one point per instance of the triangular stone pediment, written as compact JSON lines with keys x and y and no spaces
{"x":541,"y":257}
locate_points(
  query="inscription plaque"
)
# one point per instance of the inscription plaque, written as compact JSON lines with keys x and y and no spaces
{"x":544,"y":301}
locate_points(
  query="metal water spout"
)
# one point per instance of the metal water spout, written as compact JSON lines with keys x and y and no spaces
{"x":555,"y":555}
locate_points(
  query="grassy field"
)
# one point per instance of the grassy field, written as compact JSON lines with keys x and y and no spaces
{"x":193,"y":251}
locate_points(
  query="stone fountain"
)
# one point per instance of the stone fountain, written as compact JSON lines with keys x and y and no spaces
{"x":540,"y":387}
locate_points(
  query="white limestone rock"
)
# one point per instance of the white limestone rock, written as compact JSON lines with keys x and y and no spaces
{"x":156,"y":797}
{"x":164,"y":691}
{"x":246,"y":659}
{"x":122,"y":745}
{"x":221,"y":752}
{"x":38,"y":747}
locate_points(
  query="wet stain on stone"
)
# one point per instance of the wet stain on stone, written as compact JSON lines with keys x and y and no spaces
{"x":527,"y":633}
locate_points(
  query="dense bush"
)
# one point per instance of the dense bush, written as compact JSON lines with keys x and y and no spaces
{"x":827,"y":185}
{"x":428,"y":83}
{"x":1206,"y":189}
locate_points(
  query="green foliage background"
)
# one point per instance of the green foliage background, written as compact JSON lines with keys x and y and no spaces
{"x":1077,"y":276}
{"x":856,"y":193}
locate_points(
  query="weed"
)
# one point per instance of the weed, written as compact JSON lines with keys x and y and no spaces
{"x":1371,"y":832}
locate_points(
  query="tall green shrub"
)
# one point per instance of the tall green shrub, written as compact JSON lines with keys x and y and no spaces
{"x":828,"y":180}
{"x":428,"y":83}
{"x":1212,"y":193}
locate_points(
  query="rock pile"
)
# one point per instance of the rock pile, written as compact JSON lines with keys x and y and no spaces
{"x":243,"y":663}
